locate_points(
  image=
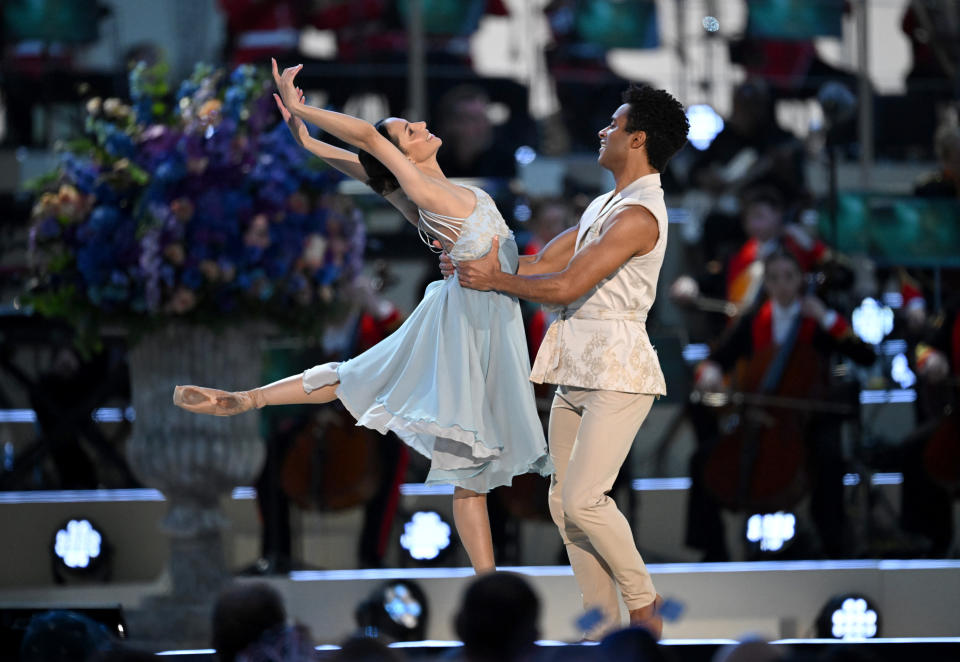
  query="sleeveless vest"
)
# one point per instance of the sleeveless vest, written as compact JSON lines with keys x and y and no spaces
{"x":600,"y":340}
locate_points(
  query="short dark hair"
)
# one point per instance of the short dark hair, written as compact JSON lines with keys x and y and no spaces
{"x":762,"y":195}
{"x":241,"y":614}
{"x":379,"y":176}
{"x":781,"y":253}
{"x":498,"y":616}
{"x":662,"y":117}
{"x":358,"y":648}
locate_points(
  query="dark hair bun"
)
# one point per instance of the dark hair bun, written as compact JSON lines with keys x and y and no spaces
{"x":379,"y":177}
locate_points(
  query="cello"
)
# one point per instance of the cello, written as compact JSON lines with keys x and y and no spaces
{"x":333,"y":463}
{"x":759,"y":461}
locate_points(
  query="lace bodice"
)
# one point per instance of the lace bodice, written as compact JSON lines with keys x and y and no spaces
{"x":466,"y":238}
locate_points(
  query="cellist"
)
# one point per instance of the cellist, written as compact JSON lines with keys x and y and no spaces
{"x":739,"y":280}
{"x":927,"y":496}
{"x":820,"y":328}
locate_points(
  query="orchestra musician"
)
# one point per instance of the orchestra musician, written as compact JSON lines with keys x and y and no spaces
{"x":818,"y":332}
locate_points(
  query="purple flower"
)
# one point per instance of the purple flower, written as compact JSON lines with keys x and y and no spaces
{"x":47,"y":229}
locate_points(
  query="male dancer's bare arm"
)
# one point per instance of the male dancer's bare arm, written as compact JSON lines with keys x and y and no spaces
{"x":552,"y":257}
{"x":631,"y":232}
{"x":555,"y":256}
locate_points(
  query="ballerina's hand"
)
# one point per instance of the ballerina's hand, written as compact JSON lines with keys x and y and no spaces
{"x":298,"y":129}
{"x":480,"y":274}
{"x":285,"y":86}
{"x":447,"y":267}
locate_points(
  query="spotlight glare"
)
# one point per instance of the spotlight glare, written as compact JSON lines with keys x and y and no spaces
{"x":771,"y":530}
{"x":80,"y":552}
{"x":872,"y":321}
{"x":901,"y":373}
{"x":401,"y":606}
{"x":396,"y":610}
{"x":893,"y":299}
{"x":848,"y":617}
{"x":525,"y":155}
{"x":854,"y":620}
{"x":425,"y":535}
{"x":78,"y":544}
{"x":521,"y":213}
{"x":710,"y":23}
{"x":705,"y":124}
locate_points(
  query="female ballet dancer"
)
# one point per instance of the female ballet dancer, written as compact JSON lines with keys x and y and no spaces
{"x":452,"y":381}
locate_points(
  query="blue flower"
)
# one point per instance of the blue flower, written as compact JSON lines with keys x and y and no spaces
{"x":242,"y":74}
{"x":82,"y":172}
{"x":329,"y":273}
{"x":119,"y":145}
{"x":170,"y":171}
{"x":187,"y":89}
{"x":143,"y":109}
{"x":192,"y":278}
{"x":233,"y":101}
{"x":167,"y":275}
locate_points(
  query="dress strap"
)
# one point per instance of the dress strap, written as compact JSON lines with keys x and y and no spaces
{"x":439,"y":226}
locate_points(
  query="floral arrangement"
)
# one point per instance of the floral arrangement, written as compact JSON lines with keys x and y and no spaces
{"x":197,"y":206}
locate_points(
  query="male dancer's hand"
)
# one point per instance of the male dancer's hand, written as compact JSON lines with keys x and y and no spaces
{"x":481,"y":274}
{"x":447,"y":267}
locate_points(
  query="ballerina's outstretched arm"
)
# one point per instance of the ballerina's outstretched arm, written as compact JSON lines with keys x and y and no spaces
{"x":426,"y":192}
{"x":343,"y":160}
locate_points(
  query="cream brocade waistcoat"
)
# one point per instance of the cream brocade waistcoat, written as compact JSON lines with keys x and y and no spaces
{"x":600,"y":340}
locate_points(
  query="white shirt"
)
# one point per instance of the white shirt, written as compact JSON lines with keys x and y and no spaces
{"x":783,"y":319}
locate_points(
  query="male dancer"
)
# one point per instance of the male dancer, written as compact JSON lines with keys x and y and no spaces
{"x":603,"y":274}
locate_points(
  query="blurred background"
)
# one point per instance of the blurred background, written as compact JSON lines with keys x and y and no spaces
{"x":148,"y":184}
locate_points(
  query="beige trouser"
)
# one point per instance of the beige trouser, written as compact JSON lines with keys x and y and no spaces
{"x":591,"y":432}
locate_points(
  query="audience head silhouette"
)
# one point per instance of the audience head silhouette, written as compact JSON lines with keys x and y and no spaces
{"x":498,"y":617}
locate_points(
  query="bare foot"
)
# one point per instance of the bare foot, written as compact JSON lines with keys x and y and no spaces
{"x":213,"y":401}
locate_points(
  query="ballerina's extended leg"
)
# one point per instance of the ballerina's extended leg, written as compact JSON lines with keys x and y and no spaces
{"x":287,"y":391}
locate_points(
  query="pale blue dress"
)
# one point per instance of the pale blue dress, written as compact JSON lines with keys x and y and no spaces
{"x":453,"y":381}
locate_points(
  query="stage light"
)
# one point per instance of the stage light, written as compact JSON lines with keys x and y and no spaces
{"x":525,"y":155}
{"x":771,"y":531}
{"x":695,"y":352}
{"x":80,"y":551}
{"x":901,"y":373}
{"x":522,"y":212}
{"x":848,"y":617}
{"x":705,"y":124}
{"x":425,"y":536}
{"x":872,"y":321}
{"x":893,"y":300}
{"x":396,"y":610}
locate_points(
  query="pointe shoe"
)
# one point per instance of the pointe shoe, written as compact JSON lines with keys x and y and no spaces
{"x":215,"y":402}
{"x":649,"y":617}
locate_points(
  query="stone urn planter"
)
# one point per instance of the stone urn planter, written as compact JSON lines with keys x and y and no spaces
{"x":194,"y":460}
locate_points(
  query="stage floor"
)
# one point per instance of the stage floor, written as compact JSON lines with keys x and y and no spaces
{"x":774,"y":600}
{"x":942,"y":649}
